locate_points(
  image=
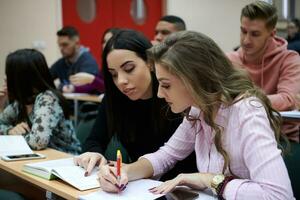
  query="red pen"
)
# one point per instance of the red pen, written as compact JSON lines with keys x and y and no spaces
{"x":119,"y":163}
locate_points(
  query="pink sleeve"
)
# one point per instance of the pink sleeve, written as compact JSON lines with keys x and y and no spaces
{"x":267,"y":171}
{"x":179,"y":146}
{"x":288,"y":85}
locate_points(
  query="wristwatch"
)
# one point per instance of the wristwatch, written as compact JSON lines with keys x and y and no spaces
{"x":216,"y":183}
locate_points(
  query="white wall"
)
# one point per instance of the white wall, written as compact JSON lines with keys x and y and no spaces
{"x":25,"y":21}
{"x":219,"y":19}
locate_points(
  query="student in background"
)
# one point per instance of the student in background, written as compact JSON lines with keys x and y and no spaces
{"x":82,"y":79}
{"x":130,"y":112}
{"x":167,"y":24}
{"x":36,"y":110}
{"x":76,"y":58}
{"x":229,"y":123}
{"x":293,"y":38}
{"x":3,"y":96}
{"x":270,"y":65}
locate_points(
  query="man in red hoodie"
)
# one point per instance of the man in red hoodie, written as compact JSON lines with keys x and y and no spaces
{"x":265,"y":56}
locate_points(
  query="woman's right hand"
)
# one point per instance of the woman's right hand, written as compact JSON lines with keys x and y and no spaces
{"x":20,"y":129}
{"x":108,"y":179}
{"x":89,"y":161}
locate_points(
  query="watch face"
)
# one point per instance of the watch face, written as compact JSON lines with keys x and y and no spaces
{"x":218,"y":179}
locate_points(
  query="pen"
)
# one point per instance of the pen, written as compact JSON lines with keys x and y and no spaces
{"x":119,"y":163}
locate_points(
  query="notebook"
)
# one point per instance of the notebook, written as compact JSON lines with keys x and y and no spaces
{"x":66,"y":170}
{"x":135,"y":190}
{"x":11,"y":145}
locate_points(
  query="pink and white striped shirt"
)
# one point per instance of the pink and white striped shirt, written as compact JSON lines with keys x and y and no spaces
{"x":250,"y":143}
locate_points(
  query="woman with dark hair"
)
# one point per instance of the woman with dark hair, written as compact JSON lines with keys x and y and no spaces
{"x":130,"y":115}
{"x":36,"y":110}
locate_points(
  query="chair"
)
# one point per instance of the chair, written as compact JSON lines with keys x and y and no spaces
{"x":292,"y":161}
{"x":6,"y":194}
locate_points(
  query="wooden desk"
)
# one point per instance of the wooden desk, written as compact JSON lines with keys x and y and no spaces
{"x":13,"y":170}
{"x":81,"y":97}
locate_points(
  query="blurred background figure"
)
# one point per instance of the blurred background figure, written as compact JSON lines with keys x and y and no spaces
{"x":82,"y":80}
{"x":293,"y":38}
{"x":75,"y":58}
{"x":167,"y":24}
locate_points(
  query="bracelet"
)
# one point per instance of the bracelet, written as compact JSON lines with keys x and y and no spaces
{"x":222,"y":188}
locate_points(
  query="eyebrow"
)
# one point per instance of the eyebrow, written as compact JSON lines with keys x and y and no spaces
{"x":163,"y":79}
{"x":121,"y":66}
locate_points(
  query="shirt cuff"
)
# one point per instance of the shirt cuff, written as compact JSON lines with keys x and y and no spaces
{"x":232,"y":188}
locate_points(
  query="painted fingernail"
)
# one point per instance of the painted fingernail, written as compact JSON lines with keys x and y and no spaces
{"x":85,"y":174}
{"x":123,"y":188}
{"x":152,"y":188}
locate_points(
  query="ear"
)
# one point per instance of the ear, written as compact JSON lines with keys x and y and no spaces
{"x":151,"y":67}
{"x":273,"y":32}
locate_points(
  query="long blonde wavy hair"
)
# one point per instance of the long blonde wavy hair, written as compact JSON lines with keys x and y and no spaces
{"x":210,"y":77}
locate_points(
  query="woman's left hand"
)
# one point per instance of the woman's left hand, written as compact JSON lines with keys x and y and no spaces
{"x":198,"y":181}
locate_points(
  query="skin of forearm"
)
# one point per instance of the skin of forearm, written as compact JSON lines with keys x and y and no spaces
{"x":139,"y":169}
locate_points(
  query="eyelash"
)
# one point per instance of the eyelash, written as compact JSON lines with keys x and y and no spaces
{"x":129,"y":70}
{"x":165,"y":86}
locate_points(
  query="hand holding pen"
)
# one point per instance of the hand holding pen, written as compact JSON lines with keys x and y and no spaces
{"x":113,"y":178}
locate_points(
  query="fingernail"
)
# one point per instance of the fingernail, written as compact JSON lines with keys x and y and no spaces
{"x":117,"y":186}
{"x":85,"y":174}
{"x":123,"y":188}
{"x":152,"y":188}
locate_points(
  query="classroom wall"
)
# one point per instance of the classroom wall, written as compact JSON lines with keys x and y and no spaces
{"x":216,"y":18}
{"x":24,"y":24}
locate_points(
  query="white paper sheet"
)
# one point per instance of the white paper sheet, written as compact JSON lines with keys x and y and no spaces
{"x":135,"y":190}
{"x":13,"y":145}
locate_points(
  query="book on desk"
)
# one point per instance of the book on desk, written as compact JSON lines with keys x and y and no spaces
{"x":63,"y":169}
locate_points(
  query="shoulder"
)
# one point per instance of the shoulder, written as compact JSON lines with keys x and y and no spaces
{"x":87,"y":56}
{"x":58,"y":63}
{"x":248,"y":108}
{"x":46,"y":97}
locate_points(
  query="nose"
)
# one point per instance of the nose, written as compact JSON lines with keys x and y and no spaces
{"x":246,"y":39}
{"x":160,"y":93}
{"x":122,"y":80}
{"x":158,"y":37}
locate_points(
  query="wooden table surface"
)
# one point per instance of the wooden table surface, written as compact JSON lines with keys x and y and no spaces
{"x":10,"y":170}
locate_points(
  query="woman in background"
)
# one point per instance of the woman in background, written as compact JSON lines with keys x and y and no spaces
{"x":36,"y":110}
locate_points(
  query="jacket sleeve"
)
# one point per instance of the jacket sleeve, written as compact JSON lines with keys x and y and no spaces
{"x":288,"y":85}
{"x":269,"y":179}
{"x":179,"y":146}
{"x":46,"y":114}
{"x":8,"y":118}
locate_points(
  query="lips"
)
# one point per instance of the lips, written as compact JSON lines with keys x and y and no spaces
{"x":128,"y":91}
